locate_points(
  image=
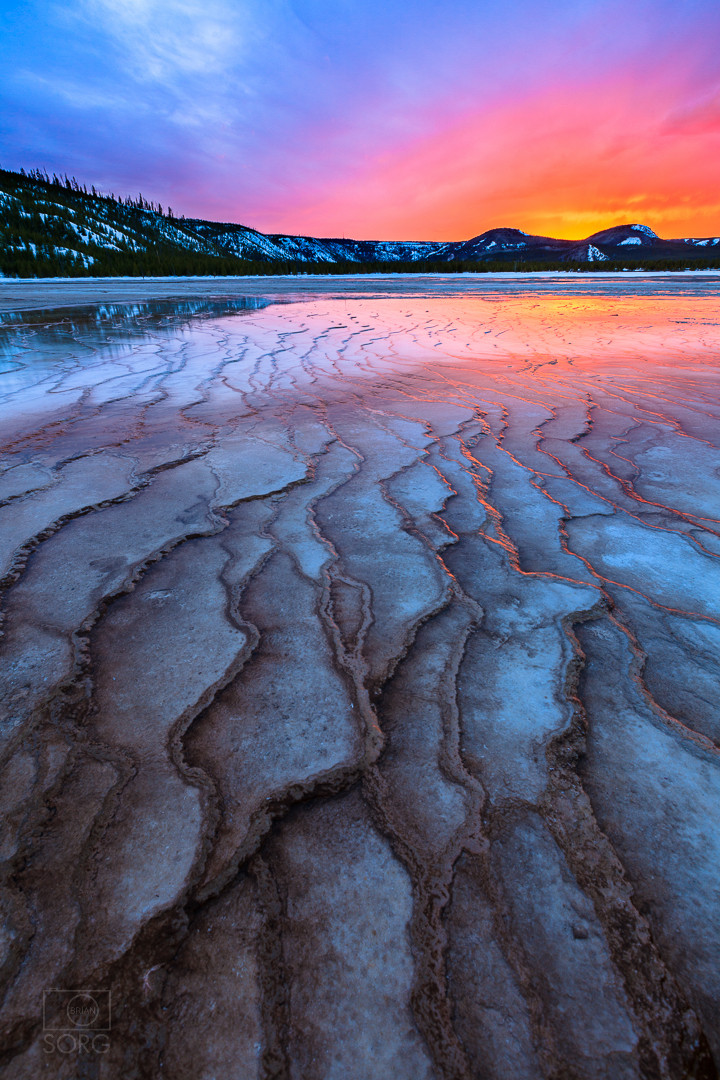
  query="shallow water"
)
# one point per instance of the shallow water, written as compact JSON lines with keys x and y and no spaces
{"x":360,"y":678}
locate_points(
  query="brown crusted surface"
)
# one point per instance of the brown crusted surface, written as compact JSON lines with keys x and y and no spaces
{"x":359,"y":688}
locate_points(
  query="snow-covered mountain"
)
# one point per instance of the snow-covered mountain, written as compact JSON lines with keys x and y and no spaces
{"x":50,"y":227}
{"x":708,"y":241}
{"x":249,"y":244}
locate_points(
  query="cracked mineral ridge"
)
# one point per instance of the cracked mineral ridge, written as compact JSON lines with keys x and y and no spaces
{"x":360,"y":671}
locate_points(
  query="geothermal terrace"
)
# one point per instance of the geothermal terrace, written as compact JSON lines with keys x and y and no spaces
{"x":360,"y":677}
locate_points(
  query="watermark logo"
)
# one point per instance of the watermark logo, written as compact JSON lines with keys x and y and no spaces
{"x":76,"y":1021}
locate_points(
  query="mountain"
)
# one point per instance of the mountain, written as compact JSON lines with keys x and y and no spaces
{"x":506,"y":243}
{"x":247,"y":243}
{"x":54,"y":227}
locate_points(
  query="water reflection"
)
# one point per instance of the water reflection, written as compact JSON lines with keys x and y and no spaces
{"x":43,"y":340}
{"x":129,"y":314}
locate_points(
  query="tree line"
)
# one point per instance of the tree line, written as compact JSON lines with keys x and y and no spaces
{"x":52,"y":226}
{"x":70,"y":183}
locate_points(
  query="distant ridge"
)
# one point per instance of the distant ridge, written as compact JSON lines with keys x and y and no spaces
{"x":54,"y":227}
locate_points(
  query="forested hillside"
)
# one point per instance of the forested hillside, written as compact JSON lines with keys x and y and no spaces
{"x":52,"y":226}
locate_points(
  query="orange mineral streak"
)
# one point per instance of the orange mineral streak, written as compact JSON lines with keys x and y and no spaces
{"x":554,"y":349}
{"x":310,"y":609}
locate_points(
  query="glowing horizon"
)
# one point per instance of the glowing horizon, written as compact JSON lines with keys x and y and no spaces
{"x":374,"y":121}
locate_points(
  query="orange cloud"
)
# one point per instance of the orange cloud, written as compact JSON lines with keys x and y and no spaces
{"x":564,"y":163}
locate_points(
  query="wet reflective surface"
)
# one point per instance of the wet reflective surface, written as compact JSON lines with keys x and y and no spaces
{"x":360,"y":679}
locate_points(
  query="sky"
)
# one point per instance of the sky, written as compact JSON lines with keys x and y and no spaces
{"x":376,"y":119}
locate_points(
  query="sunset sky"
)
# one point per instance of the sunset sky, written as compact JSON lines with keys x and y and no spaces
{"x":379,"y":119}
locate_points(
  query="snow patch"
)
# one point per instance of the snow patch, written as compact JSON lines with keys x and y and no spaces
{"x":645,"y":230}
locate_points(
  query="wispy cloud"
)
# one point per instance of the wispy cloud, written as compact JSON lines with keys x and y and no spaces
{"x":379,"y":117}
{"x":165,"y":41}
{"x":699,"y":118}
